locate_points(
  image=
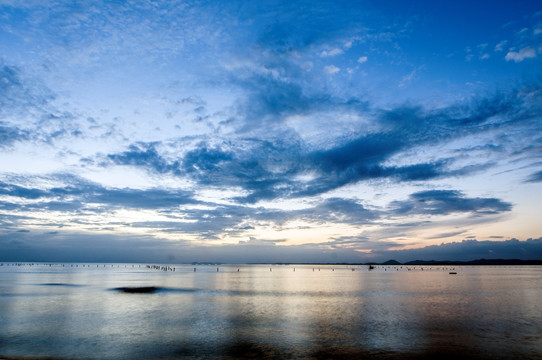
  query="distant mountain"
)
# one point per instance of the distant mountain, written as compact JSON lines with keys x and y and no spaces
{"x":391,"y":262}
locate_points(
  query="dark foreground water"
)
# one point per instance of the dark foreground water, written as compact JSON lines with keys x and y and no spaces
{"x":93,"y":311}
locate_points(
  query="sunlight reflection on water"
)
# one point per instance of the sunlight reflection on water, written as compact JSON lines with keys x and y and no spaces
{"x":313,"y":312}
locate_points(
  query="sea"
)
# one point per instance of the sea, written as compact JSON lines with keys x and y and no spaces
{"x":269,"y":311}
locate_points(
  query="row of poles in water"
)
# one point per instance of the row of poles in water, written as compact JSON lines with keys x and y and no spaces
{"x":171,"y":268}
{"x":370,"y":267}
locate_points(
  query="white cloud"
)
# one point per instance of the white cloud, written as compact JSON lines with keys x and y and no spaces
{"x":331,"y":69}
{"x":500,"y":46}
{"x":525,"y":53}
{"x":537,"y":31}
{"x":332,"y":52}
{"x":484,"y":56}
{"x":362,"y":60}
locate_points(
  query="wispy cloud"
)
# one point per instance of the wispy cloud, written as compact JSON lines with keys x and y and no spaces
{"x":500,"y":46}
{"x":535,"y":177}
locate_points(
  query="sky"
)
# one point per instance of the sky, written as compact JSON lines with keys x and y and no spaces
{"x":270,"y":131}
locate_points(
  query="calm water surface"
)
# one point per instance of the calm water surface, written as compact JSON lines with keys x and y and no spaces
{"x":75,"y":311}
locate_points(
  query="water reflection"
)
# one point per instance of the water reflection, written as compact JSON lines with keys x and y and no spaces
{"x":257,"y":313}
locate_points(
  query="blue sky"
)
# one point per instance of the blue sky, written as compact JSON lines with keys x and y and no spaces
{"x":270,"y":131}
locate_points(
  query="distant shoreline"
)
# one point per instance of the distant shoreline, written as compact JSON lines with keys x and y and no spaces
{"x":430,"y":262}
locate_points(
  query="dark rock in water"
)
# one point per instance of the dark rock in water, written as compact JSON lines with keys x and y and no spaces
{"x":138,"y":290}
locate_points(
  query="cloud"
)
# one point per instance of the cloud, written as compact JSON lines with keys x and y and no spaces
{"x":205,"y":159}
{"x":444,"y":202}
{"x":331,"y":69}
{"x":10,"y":135}
{"x":524,"y":53}
{"x":19,"y":94}
{"x":337,"y":210}
{"x":535,"y":177}
{"x":407,"y":78}
{"x":332,"y":52}
{"x":20,"y":191}
{"x":328,"y":23}
{"x":215,"y":220}
{"x":78,"y":193}
{"x":144,"y":155}
{"x":27,"y":112}
{"x":141,"y":199}
{"x":362,"y":59}
{"x":270,"y":99}
{"x":500,"y":46}
{"x":466,"y":250}
{"x":447,"y":234}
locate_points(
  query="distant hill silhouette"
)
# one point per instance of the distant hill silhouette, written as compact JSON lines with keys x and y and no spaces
{"x":391,"y":262}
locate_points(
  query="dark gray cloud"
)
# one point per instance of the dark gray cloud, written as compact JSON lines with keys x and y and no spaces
{"x":443,"y":202}
{"x":78,"y":193}
{"x":20,"y":191}
{"x":144,"y":155}
{"x":206,"y":160}
{"x":466,"y":250}
{"x":268,"y":169}
{"x":535,"y":177}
